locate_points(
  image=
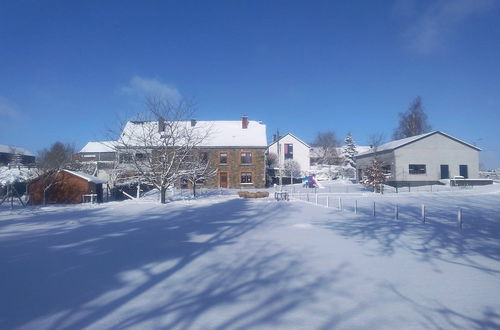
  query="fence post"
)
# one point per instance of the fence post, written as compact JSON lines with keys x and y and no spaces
{"x":459,"y":218}
{"x":340,"y":204}
{"x":327,"y":201}
{"x":356,"y":206}
{"x":423,"y":213}
{"x":316,"y":198}
{"x":396,"y":212}
{"x":374,"y":209}
{"x":307,"y":196}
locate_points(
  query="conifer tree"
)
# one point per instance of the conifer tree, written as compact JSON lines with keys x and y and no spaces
{"x":349,"y":153}
{"x":374,"y":176}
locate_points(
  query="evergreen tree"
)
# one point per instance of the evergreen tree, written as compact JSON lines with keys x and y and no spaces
{"x":374,"y":176}
{"x":349,"y":151}
{"x":348,"y":154}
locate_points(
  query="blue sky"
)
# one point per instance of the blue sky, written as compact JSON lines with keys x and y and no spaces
{"x":70,"y":69}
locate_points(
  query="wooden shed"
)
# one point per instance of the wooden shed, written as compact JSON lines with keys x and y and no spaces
{"x":65,"y":187}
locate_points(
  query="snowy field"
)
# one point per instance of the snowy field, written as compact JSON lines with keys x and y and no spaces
{"x":220,"y":262}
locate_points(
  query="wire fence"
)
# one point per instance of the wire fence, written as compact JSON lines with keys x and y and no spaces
{"x":382,"y":209}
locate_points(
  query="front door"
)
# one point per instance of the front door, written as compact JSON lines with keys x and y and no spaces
{"x":464,"y":171}
{"x":223,"y":179}
{"x":98,"y":191}
{"x":445,"y":172}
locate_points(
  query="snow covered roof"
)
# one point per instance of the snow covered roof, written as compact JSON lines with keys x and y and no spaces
{"x":403,"y":142}
{"x":296,"y":138}
{"x":318,"y":151}
{"x":15,"y":150}
{"x":14,"y":174}
{"x":220,"y":133}
{"x":361,"y":149}
{"x":99,"y":146}
{"x":86,"y":176}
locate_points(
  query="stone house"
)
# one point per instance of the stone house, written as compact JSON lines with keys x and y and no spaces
{"x":236,"y":150}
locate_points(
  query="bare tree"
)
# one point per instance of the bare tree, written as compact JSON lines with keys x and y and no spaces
{"x":272,"y":160}
{"x":413,"y":121}
{"x":51,"y":161}
{"x":57,"y":157}
{"x":197,"y":168}
{"x":376,"y":140}
{"x":292,"y":169}
{"x":158,"y":145}
{"x":327,"y":143}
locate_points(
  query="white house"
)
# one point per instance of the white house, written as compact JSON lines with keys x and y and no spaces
{"x":423,"y":159}
{"x":291,"y":147}
{"x":101,"y":151}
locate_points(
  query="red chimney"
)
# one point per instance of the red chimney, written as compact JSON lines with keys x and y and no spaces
{"x":244,"y":121}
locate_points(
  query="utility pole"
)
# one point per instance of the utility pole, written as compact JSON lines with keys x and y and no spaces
{"x":279,"y":159}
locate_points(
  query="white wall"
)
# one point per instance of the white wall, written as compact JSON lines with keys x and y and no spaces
{"x":434,"y":151}
{"x":387,"y":158}
{"x":301,"y":152}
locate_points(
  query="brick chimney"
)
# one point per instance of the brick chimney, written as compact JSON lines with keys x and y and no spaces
{"x":244,"y":121}
{"x":161,"y":124}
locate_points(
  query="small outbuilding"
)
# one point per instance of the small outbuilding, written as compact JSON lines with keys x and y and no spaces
{"x":65,"y":187}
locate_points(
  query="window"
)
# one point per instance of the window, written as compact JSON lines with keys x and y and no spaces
{"x":246,"y":177}
{"x":288,"y":151}
{"x":246,"y":158}
{"x":125,"y":158}
{"x":204,"y":156}
{"x":223,"y":158}
{"x":416,"y":169}
{"x":386,"y":169}
{"x":140,"y":156}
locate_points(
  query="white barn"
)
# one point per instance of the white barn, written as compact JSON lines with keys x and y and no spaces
{"x":423,"y":159}
{"x":291,"y":147}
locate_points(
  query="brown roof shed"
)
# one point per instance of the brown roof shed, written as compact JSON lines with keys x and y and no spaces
{"x":64,"y":187}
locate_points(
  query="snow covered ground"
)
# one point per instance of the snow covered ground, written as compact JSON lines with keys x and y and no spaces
{"x":220,"y":262}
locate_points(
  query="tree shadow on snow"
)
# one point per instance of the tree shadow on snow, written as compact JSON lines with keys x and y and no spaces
{"x":435,"y":315}
{"x":439,"y":238}
{"x":86,"y":265}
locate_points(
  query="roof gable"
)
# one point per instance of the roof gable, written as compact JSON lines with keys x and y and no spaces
{"x":15,"y":150}
{"x":396,"y":144}
{"x":290,"y":134}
